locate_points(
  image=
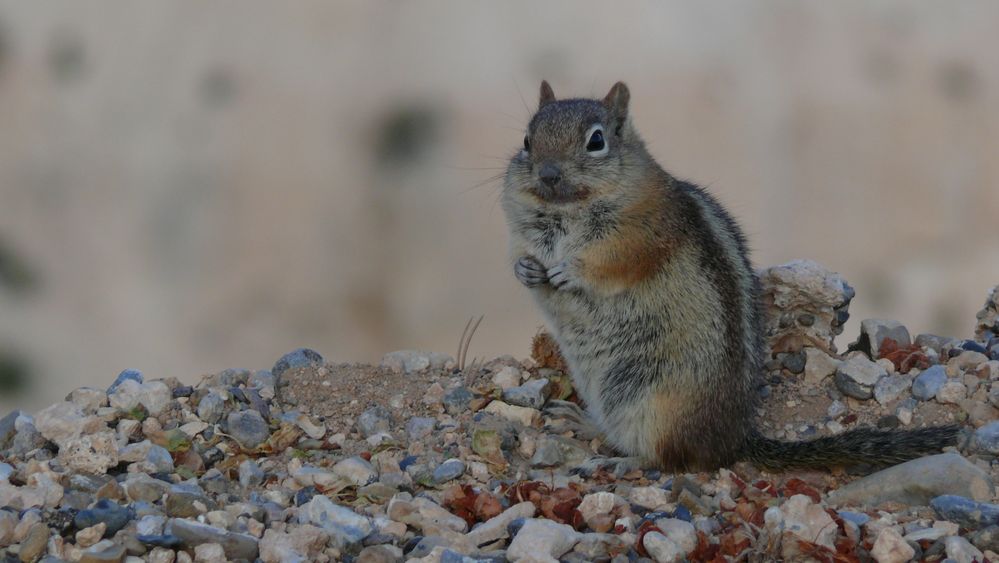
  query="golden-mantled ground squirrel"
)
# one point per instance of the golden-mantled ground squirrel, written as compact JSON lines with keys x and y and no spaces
{"x":646,"y":283}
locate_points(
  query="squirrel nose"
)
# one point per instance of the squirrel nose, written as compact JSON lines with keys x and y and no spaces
{"x":550,"y":174}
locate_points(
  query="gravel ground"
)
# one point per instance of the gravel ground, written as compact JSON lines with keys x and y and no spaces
{"x":418,"y":459}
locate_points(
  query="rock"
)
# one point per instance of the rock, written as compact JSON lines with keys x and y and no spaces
{"x":547,"y":453}
{"x":209,"y":553}
{"x":960,"y":551}
{"x":141,"y":487}
{"x":211,"y":407}
{"x":986,"y":539}
{"x":250,"y":474}
{"x":381,"y":554}
{"x":932,"y":534}
{"x":986,"y":438}
{"x":652,"y":498}
{"x":916,"y":482}
{"x":157,"y":457}
{"x":836,"y":409}
{"x":94,"y":453}
{"x":856,"y":377}
{"x":887,"y":389}
{"x":127,"y":375}
{"x":496,"y":528}
{"x":597,"y":547}
{"x":88,"y":399}
{"x":874,"y":331}
{"x":967,"y":361}
{"x":356,"y":470}
{"x":161,"y":555}
{"x":308,"y":476}
{"x":7,"y":430}
{"x":450,"y":469}
{"x":299,"y":543}
{"x":952,"y":392}
{"x":423,"y":514}
{"x":457,"y":400}
{"x":8,"y":522}
{"x":598,"y":506}
{"x":192,"y":534}
{"x":891,"y":548}
{"x":905,"y":410}
{"x":153,"y":396}
{"x":114,"y":516}
{"x":107,"y":553}
{"x":150,"y":525}
{"x":680,"y":532}
{"x":539,"y":538}
{"x":507,"y":377}
{"x":35,"y":543}
{"x":818,"y":365}
{"x":187,"y":504}
{"x":965,"y":511}
{"x":793,"y":362}
{"x":374,"y":420}
{"x":248,"y":428}
{"x":804,"y":303}
{"x":523,"y":415}
{"x":89,"y":536}
{"x":64,"y":422}
{"x":344,"y":526}
{"x":662,"y":549}
{"x":988,"y":316}
{"x":420,"y":427}
{"x":414,"y":361}
{"x":808,"y":521}
{"x":302,"y":357}
{"x":928,"y":383}
{"x":532,"y":394}
{"x":933,"y":342}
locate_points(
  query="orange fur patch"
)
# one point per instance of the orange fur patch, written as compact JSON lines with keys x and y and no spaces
{"x":634,"y":253}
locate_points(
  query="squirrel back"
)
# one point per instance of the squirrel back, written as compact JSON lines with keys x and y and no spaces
{"x":645,"y":282}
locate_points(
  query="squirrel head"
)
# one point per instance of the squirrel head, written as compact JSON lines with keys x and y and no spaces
{"x":576,"y":149}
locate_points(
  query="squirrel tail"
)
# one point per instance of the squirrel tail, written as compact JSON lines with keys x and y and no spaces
{"x":859,"y":446}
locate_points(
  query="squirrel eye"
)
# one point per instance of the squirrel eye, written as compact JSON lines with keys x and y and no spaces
{"x":527,"y":144}
{"x":596,"y":142}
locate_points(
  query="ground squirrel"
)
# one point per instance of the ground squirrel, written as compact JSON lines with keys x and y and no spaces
{"x":646,"y":283}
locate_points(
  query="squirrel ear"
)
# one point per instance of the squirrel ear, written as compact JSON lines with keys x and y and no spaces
{"x":617,"y":100}
{"x":547,"y":94}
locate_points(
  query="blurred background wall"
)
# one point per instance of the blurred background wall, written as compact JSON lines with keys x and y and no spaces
{"x":187,"y":186}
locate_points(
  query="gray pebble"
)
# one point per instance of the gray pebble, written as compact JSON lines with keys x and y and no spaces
{"x":211,"y":407}
{"x":374,"y":420}
{"x":420,"y":427}
{"x":986,"y":438}
{"x":531,"y":394}
{"x":250,"y":474}
{"x":927,"y":383}
{"x":966,"y":512}
{"x":450,"y":469}
{"x":248,"y":428}
{"x":457,"y":400}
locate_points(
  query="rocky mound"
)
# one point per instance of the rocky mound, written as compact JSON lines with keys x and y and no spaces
{"x":424,"y":459}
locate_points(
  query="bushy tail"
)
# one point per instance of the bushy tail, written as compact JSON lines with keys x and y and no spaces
{"x":860,"y":446}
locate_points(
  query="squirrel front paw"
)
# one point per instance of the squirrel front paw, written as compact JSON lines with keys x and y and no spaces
{"x":563,"y":276}
{"x":530,"y":272}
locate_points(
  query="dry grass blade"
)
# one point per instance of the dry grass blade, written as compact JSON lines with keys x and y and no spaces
{"x":466,"y":340}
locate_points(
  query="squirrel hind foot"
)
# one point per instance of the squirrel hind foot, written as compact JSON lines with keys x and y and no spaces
{"x":570,"y":416}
